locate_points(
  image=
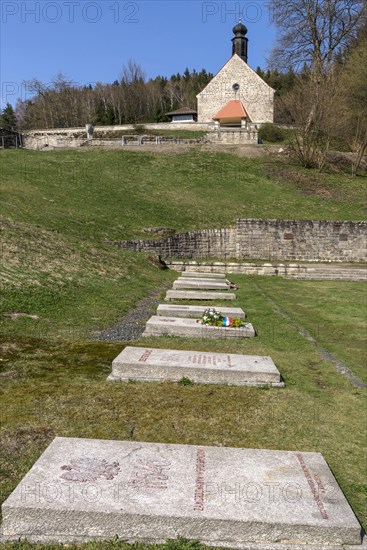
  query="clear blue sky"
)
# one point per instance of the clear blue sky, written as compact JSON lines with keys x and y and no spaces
{"x":90,"y":41}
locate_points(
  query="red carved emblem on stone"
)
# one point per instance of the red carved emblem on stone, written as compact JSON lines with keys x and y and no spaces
{"x":89,"y":469}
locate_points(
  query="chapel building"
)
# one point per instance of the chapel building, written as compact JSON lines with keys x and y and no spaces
{"x":236,"y":96}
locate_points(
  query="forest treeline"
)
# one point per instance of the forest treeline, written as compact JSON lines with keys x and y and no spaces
{"x":130,"y":100}
{"x":318,"y":68}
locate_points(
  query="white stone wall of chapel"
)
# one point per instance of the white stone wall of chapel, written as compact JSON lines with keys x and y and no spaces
{"x":257,"y":96}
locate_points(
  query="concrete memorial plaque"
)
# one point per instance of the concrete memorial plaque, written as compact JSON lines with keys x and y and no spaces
{"x":198,"y":295}
{"x":200,"y":366}
{"x":204,"y":284}
{"x":190,"y":328}
{"x":198,"y":280}
{"x":173,"y":310}
{"x":85,"y":489}
{"x":201,"y":274}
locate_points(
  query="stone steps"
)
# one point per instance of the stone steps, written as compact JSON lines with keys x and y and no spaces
{"x":346,"y":275}
{"x":290,"y":270}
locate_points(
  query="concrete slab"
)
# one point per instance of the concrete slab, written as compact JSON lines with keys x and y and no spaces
{"x":151,"y":364}
{"x":203,"y":280}
{"x":201,"y":274}
{"x":198,"y":295}
{"x":174,"y":310}
{"x":202,"y":284}
{"x":85,"y":489}
{"x":190,"y":328}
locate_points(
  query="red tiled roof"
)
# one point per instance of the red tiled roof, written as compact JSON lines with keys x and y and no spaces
{"x":233,"y":109}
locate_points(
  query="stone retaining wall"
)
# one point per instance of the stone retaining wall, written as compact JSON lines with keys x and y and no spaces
{"x":194,"y":244}
{"x":76,"y":137}
{"x":235,"y":136}
{"x":280,"y":240}
{"x":309,"y":240}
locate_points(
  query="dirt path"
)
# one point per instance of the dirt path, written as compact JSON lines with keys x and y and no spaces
{"x":132,"y":326}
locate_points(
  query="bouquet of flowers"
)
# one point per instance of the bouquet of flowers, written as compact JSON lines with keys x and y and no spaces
{"x":214,"y":318}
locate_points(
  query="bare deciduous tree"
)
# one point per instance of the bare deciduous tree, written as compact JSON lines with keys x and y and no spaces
{"x":131,"y":99}
{"x":313,"y":32}
{"x":314,"y":133}
{"x":353,"y":83}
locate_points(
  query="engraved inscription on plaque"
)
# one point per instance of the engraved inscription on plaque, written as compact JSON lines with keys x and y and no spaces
{"x":173,"y":357}
{"x":199,"y":359}
{"x":199,"y":481}
{"x":210,"y":360}
{"x":150,"y":474}
{"x":147,"y":353}
{"x":311,"y":484}
{"x":84,"y":470}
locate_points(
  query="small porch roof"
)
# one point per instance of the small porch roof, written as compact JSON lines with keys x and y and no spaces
{"x":233,"y":109}
{"x":183,"y":111}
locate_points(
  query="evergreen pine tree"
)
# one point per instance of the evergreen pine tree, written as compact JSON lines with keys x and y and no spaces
{"x":8,"y":119}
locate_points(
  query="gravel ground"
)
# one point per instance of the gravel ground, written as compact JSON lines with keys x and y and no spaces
{"x":132,"y":326}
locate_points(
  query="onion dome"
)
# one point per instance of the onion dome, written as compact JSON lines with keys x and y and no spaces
{"x":239,"y":29}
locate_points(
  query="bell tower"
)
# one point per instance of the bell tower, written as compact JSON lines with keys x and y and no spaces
{"x":239,"y":41}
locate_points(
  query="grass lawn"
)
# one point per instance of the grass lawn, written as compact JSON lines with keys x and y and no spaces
{"x":58,"y":387}
{"x":103,"y":194}
{"x":59,"y":207}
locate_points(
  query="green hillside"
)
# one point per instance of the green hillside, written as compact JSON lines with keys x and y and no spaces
{"x":59,"y":208}
{"x":113,"y":194}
